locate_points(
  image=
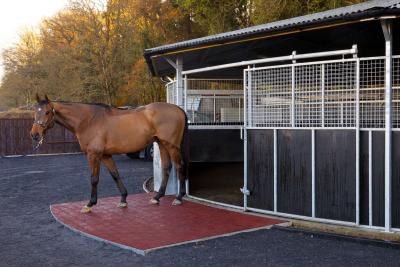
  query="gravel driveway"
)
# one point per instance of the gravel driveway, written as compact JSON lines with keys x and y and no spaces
{"x":29,"y":236}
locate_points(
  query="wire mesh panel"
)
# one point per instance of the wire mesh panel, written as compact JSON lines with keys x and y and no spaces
{"x":320,"y":94}
{"x":171,"y":92}
{"x":215,"y":102}
{"x":270,"y":97}
{"x":372,"y":93}
{"x":396,"y":92}
{"x":340,"y":94}
{"x":308,"y":93}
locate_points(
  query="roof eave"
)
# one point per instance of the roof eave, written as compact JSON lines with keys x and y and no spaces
{"x":372,"y":14}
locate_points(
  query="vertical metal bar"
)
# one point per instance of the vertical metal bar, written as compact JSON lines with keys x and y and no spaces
{"x":323,"y":95}
{"x":370,"y":155}
{"x":357,"y":111}
{"x":214,"y":109}
{"x":245,"y":73}
{"x":275,"y":171}
{"x":187,"y":187}
{"x":239,"y":111}
{"x":293,"y":95}
{"x":313,"y":173}
{"x":185,"y":93}
{"x":179,"y":82}
{"x":249,"y":98}
{"x":387,"y":30}
{"x":167,"y":92}
{"x":341,"y":115}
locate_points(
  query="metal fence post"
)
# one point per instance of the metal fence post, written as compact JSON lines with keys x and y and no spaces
{"x":245,"y":73}
{"x":275,"y":170}
{"x":323,"y":95}
{"x":370,"y":151}
{"x":185,"y":92}
{"x":387,"y":30}
{"x":357,"y":141}
{"x":249,"y":98}
{"x":293,"y":89}
{"x":179,"y":82}
{"x":313,"y":173}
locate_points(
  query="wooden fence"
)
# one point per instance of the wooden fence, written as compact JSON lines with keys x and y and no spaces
{"x":15,"y":139}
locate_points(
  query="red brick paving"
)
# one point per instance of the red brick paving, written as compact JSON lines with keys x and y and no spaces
{"x":142,"y":226}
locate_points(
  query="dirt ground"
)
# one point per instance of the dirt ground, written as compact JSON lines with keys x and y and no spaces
{"x":29,"y":235}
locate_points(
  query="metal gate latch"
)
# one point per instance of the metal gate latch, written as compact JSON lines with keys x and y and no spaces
{"x":245,"y":191}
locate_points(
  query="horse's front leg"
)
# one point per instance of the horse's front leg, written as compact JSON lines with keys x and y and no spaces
{"x":94,"y":163}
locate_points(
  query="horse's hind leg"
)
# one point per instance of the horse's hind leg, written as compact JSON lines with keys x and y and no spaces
{"x":166,"y":170}
{"x":176,"y":156}
{"x":112,"y":168}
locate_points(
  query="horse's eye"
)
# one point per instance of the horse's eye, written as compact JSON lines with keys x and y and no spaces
{"x":47,"y":112}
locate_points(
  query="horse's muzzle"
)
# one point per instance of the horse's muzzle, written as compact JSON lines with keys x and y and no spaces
{"x":37,"y":140}
{"x":35,"y":137}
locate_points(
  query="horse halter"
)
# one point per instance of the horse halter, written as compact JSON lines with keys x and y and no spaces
{"x":46,"y":124}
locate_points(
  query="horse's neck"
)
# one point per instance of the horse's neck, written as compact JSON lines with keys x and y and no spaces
{"x":70,"y":116}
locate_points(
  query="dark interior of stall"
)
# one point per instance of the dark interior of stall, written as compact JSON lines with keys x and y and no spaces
{"x":216,"y":165}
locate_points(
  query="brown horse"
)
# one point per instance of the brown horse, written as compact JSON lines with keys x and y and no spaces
{"x":103,"y":131}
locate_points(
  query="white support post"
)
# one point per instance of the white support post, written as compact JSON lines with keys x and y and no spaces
{"x":185,"y":92}
{"x":245,"y":73}
{"x":179,"y":82}
{"x":173,"y":185}
{"x":357,"y":142}
{"x":275,"y":170}
{"x":323,"y":95}
{"x":387,"y":31}
{"x":370,"y":151}
{"x":293,"y":89}
{"x":313,"y":173}
{"x":249,"y":98}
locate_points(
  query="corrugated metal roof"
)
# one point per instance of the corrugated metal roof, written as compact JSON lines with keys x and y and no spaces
{"x":358,"y":11}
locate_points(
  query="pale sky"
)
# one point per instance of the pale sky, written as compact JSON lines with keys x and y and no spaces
{"x":17,"y":15}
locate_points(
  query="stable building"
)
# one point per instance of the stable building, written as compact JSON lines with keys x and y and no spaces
{"x":298,"y":118}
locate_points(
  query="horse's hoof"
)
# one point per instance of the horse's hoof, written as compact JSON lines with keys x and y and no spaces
{"x":86,"y":209}
{"x":176,"y":202}
{"x":154,"y":201}
{"x":122,"y":205}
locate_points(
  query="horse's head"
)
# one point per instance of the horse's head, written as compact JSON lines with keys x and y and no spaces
{"x":44,"y":120}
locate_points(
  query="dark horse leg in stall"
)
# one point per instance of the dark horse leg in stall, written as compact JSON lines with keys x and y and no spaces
{"x":166,"y":170}
{"x":112,"y":168}
{"x":178,"y":162}
{"x":94,"y":162}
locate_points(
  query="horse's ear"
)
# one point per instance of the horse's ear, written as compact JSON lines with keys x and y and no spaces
{"x":47,"y":99}
{"x":38,"y":98}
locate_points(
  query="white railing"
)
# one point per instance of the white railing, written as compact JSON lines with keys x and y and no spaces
{"x":211,"y":101}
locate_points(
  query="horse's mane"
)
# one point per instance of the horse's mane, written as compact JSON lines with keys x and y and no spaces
{"x":84,"y":103}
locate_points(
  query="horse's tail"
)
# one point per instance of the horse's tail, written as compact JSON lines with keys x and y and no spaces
{"x":185,"y":148}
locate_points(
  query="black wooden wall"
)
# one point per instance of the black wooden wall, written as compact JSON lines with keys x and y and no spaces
{"x":335,"y":172}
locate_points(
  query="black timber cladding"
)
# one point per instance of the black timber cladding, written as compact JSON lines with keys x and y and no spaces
{"x":396,"y":179}
{"x":378,"y":178}
{"x":294,"y":172}
{"x":260,"y":170}
{"x":364,"y":178}
{"x":335,"y":172}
